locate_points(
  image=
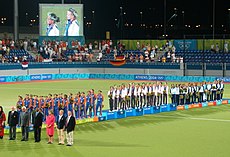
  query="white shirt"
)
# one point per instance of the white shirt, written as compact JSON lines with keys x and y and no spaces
{"x":135,"y":91}
{"x":117,"y":93}
{"x":139,"y":91}
{"x":201,"y":89}
{"x":145,"y":90}
{"x":177,"y":90}
{"x":54,"y":31}
{"x":123,"y":93}
{"x":214,"y":86}
{"x":60,"y":116}
{"x":68,"y":119}
{"x":221,"y":86}
{"x":209,"y":86}
{"x":74,"y":29}
{"x":172,"y":90}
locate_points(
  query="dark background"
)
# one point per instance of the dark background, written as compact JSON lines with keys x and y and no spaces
{"x":197,"y":12}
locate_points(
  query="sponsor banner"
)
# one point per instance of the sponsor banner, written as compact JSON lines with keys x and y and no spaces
{"x":150,"y":77}
{"x":185,"y":44}
{"x":47,"y":77}
{"x":225,"y":79}
{"x":17,"y":78}
{"x":35,"y":77}
{"x":2,"y":79}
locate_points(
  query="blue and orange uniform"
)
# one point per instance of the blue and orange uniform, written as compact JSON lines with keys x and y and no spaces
{"x":82,"y":106}
{"x":31,"y":105}
{"x":48,"y":106}
{"x":27,"y":102}
{"x":65,"y":104}
{"x":19,"y":104}
{"x":93,"y":100}
{"x":60,"y":106}
{"x":36,"y":103}
{"x":56,"y":106}
{"x":100,"y":99}
{"x":76,"y":106}
{"x":70,"y":105}
{"x":41,"y":105}
{"x":88,"y":105}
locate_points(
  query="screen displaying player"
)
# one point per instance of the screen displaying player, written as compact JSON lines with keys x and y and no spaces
{"x":61,"y":19}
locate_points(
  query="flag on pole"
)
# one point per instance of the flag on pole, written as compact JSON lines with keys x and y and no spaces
{"x":25,"y":64}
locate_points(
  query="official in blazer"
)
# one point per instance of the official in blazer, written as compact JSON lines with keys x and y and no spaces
{"x":70,"y":125}
{"x":24,"y":123}
{"x":12,"y":122}
{"x":61,"y":120}
{"x":38,"y":118}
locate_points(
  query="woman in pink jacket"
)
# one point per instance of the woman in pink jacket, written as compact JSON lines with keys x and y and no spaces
{"x":50,"y":120}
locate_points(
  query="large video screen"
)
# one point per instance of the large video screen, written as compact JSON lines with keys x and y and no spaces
{"x":61,"y":20}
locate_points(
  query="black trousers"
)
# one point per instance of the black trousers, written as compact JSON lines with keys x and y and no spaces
{"x":133,"y":101}
{"x":165,"y":98}
{"x":115,"y":103}
{"x":37,"y":134}
{"x":12,"y":133}
{"x":25,"y":132}
{"x":201,"y":97}
{"x":221,"y":94}
{"x":111,"y":104}
{"x":213,"y":96}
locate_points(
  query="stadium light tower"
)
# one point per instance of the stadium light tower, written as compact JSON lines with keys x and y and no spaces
{"x":16,"y":34}
{"x":165,"y":16}
{"x":141,"y":13}
{"x":213,"y":18}
{"x":228,"y":20}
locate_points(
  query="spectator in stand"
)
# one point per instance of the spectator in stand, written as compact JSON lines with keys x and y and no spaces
{"x":25,"y":45}
{"x":100,"y":55}
{"x":141,"y":58}
{"x":226,"y":47}
{"x":173,"y":56}
{"x":168,"y":58}
{"x":217,"y":48}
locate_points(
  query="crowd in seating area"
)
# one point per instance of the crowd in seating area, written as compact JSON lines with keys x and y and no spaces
{"x":16,"y":51}
{"x":106,"y":50}
{"x":62,"y":51}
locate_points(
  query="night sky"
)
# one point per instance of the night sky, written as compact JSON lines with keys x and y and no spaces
{"x":196,"y":11}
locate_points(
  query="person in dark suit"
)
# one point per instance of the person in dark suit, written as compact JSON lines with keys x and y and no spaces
{"x":12,"y":122}
{"x":60,"y":127}
{"x":24,"y":123}
{"x":70,"y":125}
{"x":38,"y":118}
